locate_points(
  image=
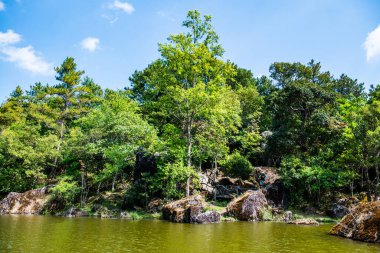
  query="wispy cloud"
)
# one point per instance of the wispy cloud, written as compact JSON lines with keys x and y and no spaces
{"x":2,"y":6}
{"x":372,"y":44}
{"x":124,"y":6}
{"x":90,"y":44}
{"x":111,"y":19}
{"x":9,"y":37}
{"x":24,"y":57}
{"x":166,"y":15}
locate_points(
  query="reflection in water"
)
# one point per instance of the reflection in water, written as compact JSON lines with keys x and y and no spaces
{"x":54,"y":234}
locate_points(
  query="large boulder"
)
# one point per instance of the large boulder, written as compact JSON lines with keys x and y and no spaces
{"x":30,"y":202}
{"x":189,"y":210}
{"x":249,"y":207}
{"x":269,"y":180}
{"x":342,"y":207}
{"x":362,"y":223}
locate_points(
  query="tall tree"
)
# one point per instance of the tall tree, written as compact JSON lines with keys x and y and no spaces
{"x":191,"y":75}
{"x":71,"y":98}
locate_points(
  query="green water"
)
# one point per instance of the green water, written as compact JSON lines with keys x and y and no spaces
{"x":53,"y":234}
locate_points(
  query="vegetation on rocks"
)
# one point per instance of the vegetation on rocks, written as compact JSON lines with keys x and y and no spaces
{"x":192,"y":111}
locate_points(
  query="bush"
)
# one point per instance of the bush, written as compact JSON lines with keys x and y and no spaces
{"x":237,"y":165}
{"x":66,"y":190}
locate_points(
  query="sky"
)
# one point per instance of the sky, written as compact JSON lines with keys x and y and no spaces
{"x":110,"y":39}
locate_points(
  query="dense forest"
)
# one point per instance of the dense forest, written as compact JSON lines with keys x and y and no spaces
{"x":189,"y":111}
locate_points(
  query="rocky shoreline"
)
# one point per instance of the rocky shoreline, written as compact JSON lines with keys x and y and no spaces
{"x":248,"y":200}
{"x":250,"y":206}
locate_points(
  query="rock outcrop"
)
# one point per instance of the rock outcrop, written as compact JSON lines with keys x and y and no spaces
{"x":189,"y":210}
{"x":342,"y":207}
{"x":248,"y":207}
{"x":362,"y":223}
{"x":311,"y":222}
{"x":30,"y":202}
{"x":155,"y":205}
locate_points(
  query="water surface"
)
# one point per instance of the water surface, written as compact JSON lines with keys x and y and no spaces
{"x":41,"y":234}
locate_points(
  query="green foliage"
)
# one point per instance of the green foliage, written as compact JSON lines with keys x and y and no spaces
{"x":66,"y":190}
{"x":170,"y":180}
{"x":237,"y":165}
{"x":190,"y":110}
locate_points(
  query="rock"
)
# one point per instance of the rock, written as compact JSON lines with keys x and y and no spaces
{"x":226,"y":181}
{"x":206,"y":184}
{"x":274,"y":193}
{"x":304,"y":222}
{"x":30,"y":202}
{"x":75,"y":212}
{"x":184,"y":210}
{"x":342,"y":207}
{"x":287,"y":216}
{"x":338,"y":211}
{"x":189,"y":210}
{"x":206,"y":217}
{"x":125,"y":215}
{"x":362,"y":223}
{"x":266,"y":175}
{"x":154,"y":206}
{"x":250,"y":206}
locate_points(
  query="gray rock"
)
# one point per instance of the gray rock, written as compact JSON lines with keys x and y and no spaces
{"x":206,"y":217}
{"x":287,"y":216}
{"x":125,"y":215}
{"x":250,"y":206}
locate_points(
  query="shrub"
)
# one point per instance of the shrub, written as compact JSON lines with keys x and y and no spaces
{"x":66,"y":190}
{"x":237,"y":165}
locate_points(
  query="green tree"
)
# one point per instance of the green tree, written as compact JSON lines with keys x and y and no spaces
{"x":190,"y":79}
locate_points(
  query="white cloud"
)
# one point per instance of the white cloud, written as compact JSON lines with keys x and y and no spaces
{"x":26,"y":58}
{"x":90,"y":44}
{"x":372,"y":44}
{"x":124,"y":6}
{"x":9,"y":37}
{"x":2,"y":6}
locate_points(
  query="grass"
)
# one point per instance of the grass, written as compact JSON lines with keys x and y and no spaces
{"x":141,"y":215}
{"x":319,"y":218}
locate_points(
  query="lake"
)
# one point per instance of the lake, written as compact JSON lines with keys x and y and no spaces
{"x":41,"y":234}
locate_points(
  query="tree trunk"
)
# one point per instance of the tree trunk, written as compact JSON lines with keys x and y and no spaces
{"x":83,"y":194}
{"x":114,"y":182}
{"x":368,"y":184}
{"x":61,"y":132}
{"x":377,"y":177}
{"x":188,"y":155}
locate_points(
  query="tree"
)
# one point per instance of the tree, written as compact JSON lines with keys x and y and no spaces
{"x":106,"y":140}
{"x":190,"y":79}
{"x":70,"y":98}
{"x":302,"y":108}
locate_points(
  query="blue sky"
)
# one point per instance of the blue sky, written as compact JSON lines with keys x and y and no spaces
{"x":110,"y":39}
